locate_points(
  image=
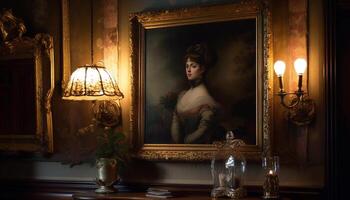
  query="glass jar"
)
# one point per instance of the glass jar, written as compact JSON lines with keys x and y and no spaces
{"x":271,"y":183}
{"x":228,"y":168}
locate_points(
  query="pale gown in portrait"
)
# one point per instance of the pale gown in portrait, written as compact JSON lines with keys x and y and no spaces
{"x":194,"y":116}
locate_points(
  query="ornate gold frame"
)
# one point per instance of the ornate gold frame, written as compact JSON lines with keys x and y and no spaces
{"x":41,"y":50}
{"x":197,"y":15}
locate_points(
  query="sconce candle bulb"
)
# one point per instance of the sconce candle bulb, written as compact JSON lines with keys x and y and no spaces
{"x":300,"y":67}
{"x":279,"y":68}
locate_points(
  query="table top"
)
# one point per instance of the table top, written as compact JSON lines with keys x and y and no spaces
{"x":142,"y":196}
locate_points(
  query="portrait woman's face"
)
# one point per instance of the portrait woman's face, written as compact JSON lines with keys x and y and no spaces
{"x":193,"y":70}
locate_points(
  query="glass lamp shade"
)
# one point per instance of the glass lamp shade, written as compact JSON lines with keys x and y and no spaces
{"x":92,"y":82}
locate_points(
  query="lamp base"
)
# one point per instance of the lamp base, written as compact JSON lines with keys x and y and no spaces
{"x":105,"y":189}
{"x":107,"y":113}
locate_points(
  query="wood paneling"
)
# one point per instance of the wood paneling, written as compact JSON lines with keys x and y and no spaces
{"x":337,"y":16}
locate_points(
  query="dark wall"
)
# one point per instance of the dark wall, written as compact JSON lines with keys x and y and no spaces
{"x":337,"y":15}
{"x":342,"y":67}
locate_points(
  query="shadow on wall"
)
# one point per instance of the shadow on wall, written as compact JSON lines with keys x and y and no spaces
{"x":150,"y":172}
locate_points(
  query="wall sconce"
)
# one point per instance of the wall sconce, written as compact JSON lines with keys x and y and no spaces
{"x":301,"y":109}
{"x":93,"y":82}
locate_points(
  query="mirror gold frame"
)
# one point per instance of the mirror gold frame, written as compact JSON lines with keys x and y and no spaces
{"x":40,"y":50}
{"x":142,"y":25}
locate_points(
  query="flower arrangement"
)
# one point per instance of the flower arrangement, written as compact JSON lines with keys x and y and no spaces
{"x":111,"y":152}
{"x":111,"y":144}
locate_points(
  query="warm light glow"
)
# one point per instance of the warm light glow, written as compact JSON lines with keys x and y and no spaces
{"x":270,"y":171}
{"x":91,"y":83}
{"x":279,"y":67}
{"x":300,"y":66}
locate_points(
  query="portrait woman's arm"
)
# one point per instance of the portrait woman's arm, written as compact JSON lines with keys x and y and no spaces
{"x":175,"y":129}
{"x":204,"y":124}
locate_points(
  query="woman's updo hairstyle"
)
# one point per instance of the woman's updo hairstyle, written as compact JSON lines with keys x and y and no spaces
{"x":200,"y":54}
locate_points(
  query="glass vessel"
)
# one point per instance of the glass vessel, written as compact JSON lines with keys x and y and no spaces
{"x":227,"y":168}
{"x":106,"y":175}
{"x":271,"y":183}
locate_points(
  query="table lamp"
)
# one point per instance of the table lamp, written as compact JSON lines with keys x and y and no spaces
{"x":95,"y":83}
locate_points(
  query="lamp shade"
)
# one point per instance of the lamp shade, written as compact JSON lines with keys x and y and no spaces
{"x":92,"y":82}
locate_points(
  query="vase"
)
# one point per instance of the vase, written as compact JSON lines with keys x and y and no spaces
{"x":106,"y":175}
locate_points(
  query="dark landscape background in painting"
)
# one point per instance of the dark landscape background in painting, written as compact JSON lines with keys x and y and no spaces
{"x":232,"y":81}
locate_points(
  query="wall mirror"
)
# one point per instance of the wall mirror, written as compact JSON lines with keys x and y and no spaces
{"x":26,"y":85}
{"x":178,"y":117}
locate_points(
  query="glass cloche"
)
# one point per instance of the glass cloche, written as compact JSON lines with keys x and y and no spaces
{"x":227,"y":168}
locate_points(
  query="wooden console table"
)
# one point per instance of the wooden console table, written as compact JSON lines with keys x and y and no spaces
{"x":142,"y":196}
{"x":68,"y":190}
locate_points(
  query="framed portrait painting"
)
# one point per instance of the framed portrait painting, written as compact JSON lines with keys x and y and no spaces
{"x":198,"y":73}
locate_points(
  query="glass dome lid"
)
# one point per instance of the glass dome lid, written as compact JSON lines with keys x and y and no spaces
{"x":228,"y":167}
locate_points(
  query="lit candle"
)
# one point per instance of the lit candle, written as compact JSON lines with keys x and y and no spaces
{"x":270,"y":172}
{"x":271,"y":185}
{"x":279,"y":68}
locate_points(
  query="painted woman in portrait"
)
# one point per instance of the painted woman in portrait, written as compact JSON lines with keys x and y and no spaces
{"x":194,"y":116}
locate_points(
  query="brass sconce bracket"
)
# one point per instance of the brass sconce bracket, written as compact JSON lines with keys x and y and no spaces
{"x":301,"y":109}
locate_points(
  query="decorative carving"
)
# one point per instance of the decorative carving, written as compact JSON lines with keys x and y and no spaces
{"x":302,"y":114}
{"x":192,"y":154}
{"x":45,"y":42}
{"x":268,"y":79}
{"x":209,"y":13}
{"x":11,"y":27}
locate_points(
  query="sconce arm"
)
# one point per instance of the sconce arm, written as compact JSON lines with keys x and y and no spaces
{"x":299,"y":96}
